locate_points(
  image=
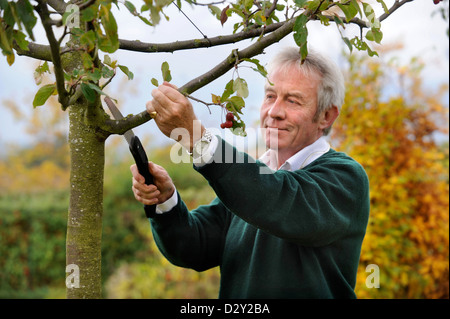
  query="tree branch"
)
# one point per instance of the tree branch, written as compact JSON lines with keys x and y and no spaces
{"x":58,"y":5}
{"x":397,"y":4}
{"x":139,"y":46}
{"x":363,"y":24}
{"x":35,"y":51}
{"x":120,"y":127}
{"x":236,"y":57}
{"x":271,"y":9}
{"x":63,"y":95}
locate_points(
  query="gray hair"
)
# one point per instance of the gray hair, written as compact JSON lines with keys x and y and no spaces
{"x":331,"y":90}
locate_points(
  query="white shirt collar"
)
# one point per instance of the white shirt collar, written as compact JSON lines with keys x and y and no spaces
{"x":300,"y":159}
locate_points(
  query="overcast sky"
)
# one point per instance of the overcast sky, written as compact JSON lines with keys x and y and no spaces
{"x":422,"y":35}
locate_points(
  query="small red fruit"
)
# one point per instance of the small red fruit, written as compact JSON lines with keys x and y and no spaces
{"x":436,"y":1}
{"x":230,"y":116}
{"x":228,"y":124}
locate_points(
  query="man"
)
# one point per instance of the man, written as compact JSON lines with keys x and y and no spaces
{"x":295,"y":233}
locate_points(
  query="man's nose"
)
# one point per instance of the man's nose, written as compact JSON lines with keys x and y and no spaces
{"x":277,"y":110}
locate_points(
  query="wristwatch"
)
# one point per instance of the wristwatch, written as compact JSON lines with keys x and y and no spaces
{"x":202,"y":144}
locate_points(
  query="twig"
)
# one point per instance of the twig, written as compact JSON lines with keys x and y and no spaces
{"x":109,"y":80}
{"x":63,"y":95}
{"x":139,"y":46}
{"x":208,"y":104}
{"x":119,"y":127}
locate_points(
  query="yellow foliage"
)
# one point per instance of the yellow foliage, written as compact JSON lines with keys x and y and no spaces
{"x":41,"y":168}
{"x":408,"y":231}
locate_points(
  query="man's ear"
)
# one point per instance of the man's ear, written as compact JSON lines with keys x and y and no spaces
{"x":328,"y":117}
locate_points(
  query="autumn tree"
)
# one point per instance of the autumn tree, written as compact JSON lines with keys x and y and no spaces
{"x":396,"y":139}
{"x":82,"y":34}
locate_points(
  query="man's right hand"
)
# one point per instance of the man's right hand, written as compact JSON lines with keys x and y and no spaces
{"x":158,"y":193}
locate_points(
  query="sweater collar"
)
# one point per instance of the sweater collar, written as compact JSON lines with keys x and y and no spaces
{"x":300,"y":159}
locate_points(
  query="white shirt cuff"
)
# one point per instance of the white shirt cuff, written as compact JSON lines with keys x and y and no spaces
{"x":168,"y":204}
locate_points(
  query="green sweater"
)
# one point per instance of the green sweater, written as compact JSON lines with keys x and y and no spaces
{"x":282,"y":235}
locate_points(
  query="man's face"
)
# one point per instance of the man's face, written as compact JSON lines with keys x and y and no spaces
{"x":288,"y":110}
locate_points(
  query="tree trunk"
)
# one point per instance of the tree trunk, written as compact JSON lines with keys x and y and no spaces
{"x":84,"y":226}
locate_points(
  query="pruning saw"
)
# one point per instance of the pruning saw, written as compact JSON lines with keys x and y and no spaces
{"x":138,"y":152}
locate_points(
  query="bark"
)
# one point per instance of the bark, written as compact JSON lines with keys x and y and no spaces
{"x":84,"y":225}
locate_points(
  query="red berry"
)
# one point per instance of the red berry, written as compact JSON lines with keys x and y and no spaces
{"x":222,"y":125}
{"x":230,"y":116}
{"x":228,"y":124}
{"x":436,"y":1}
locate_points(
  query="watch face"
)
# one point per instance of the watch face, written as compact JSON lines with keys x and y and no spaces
{"x":200,"y":146}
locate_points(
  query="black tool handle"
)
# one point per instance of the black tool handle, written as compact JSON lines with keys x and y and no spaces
{"x":140,"y":157}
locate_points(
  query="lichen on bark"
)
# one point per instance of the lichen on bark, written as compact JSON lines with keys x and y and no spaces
{"x":84,"y":225}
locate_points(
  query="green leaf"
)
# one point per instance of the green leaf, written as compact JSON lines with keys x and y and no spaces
{"x":228,"y":91}
{"x":300,"y":30}
{"x":107,"y":72}
{"x":349,"y":10}
{"x":146,"y":21}
{"x":240,"y":87}
{"x":3,"y":4}
{"x":9,"y":15}
{"x":108,"y":21}
{"x":385,"y":8}
{"x":43,"y":94}
{"x":369,"y":36}
{"x":43,"y":68}
{"x":362,"y":46}
{"x":313,"y":5}
{"x":259,"y":68}
{"x":356,"y":6}
{"x":5,"y":42}
{"x":88,"y":39}
{"x":215,"y":99}
{"x":107,"y":45}
{"x":10,"y":58}
{"x":107,"y":60}
{"x":236,"y":104}
{"x":301,"y":35}
{"x":300,"y":3}
{"x":304,"y":51}
{"x":131,"y":8}
{"x":26,"y":14}
{"x":348,"y":43}
{"x":154,"y":15}
{"x":88,"y":92}
{"x":154,"y":82}
{"x":126,"y":71}
{"x":166,"y":72}
{"x":87,"y":60}
{"x":324,"y":5}
{"x":378,"y":35}
{"x":94,"y":75}
{"x":215,"y":11}
{"x":89,"y":14}
{"x":374,"y":35}
{"x":96,"y":88}
{"x":110,"y":41}
{"x":370,"y":15}
{"x":19,"y":37}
